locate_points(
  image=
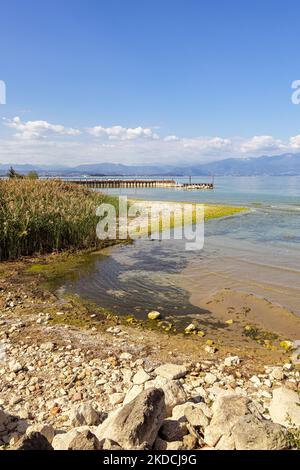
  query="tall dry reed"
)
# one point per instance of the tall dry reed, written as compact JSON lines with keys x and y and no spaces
{"x":39,"y":216}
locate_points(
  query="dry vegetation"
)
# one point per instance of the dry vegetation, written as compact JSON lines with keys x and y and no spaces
{"x":39,"y":216}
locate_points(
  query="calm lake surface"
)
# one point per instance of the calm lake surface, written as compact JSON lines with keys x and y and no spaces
{"x":258,"y":252}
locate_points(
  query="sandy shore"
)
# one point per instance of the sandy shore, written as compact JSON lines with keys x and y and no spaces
{"x":243,"y":308}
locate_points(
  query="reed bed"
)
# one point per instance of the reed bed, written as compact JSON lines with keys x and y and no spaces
{"x":39,"y":216}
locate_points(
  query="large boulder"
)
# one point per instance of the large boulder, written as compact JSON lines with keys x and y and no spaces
{"x":45,"y":429}
{"x":227,"y":410}
{"x":136,"y":424}
{"x":33,"y":441}
{"x":236,"y":424}
{"x":64,"y":441}
{"x":284,"y":408}
{"x":251,"y":433}
{"x":84,"y":440}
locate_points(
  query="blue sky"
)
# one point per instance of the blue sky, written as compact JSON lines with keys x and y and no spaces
{"x":215,"y":75}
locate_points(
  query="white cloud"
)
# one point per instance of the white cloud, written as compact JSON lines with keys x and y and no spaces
{"x":295,"y":142}
{"x":171,"y":138}
{"x":129,"y":145}
{"x":122,"y":133}
{"x":37,"y":129}
{"x":262,"y":143}
{"x":208,"y":144}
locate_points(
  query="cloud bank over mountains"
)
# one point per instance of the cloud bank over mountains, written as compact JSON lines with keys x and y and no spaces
{"x":42,"y":142}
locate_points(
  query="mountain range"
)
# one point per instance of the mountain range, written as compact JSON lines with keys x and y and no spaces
{"x":279,"y":165}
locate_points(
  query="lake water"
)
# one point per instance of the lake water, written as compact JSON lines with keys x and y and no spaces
{"x":258,"y":252}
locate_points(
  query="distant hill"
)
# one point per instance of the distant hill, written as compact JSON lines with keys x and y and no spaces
{"x":287,"y":164}
{"x":279,"y":165}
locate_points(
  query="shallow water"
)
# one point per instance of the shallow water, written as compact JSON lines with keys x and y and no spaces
{"x":257,"y":252}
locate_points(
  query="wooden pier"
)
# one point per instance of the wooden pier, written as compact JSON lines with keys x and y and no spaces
{"x":139,"y":183}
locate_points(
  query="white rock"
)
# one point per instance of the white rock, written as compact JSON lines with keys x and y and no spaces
{"x":116,"y":398}
{"x":125,"y":356}
{"x":255,"y":380}
{"x":140,"y":377}
{"x":209,"y":349}
{"x":84,"y":414}
{"x":154,"y":315}
{"x":284,"y":408}
{"x":14,"y":366}
{"x":277,"y":373}
{"x":178,"y":411}
{"x":174,"y":392}
{"x":210,"y":378}
{"x":171,"y":371}
{"x":47,"y":346}
{"x":196,"y":416}
{"x":132,"y":393}
{"x":45,"y":429}
{"x":232,"y":361}
{"x":62,"y":441}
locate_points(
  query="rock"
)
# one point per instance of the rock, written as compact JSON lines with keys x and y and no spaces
{"x":77,"y":396}
{"x":190,"y":328}
{"x":251,"y":433}
{"x":226,"y":443}
{"x":173,"y":390}
{"x":116,"y":398}
{"x":196,"y":416}
{"x":255,"y":380}
{"x":140,"y":377}
{"x":205,"y":408}
{"x":277,"y":373}
{"x":15,"y":366}
{"x":84,"y":440}
{"x":284,"y":408}
{"x":232,"y":361}
{"x":47,"y":346}
{"x":236,"y":424}
{"x":171,"y":371}
{"x":210,"y":349}
{"x":33,"y":441}
{"x":172,"y":430}
{"x":108,"y":444}
{"x":227,"y":410}
{"x":178,"y":411}
{"x":4,"y":418}
{"x":84,"y":414}
{"x":45,"y":429}
{"x":136,"y":425}
{"x":132,"y":393}
{"x":126,"y":356}
{"x":190,"y":442}
{"x":160,"y":444}
{"x":62,"y":440}
{"x":154,"y":315}
{"x":210,"y":379}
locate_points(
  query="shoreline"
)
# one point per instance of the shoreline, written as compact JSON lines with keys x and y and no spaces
{"x":65,"y":372}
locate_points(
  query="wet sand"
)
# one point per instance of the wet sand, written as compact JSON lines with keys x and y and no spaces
{"x":227,"y":300}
